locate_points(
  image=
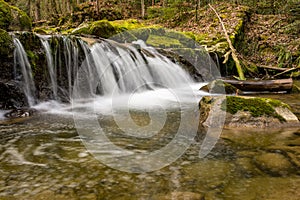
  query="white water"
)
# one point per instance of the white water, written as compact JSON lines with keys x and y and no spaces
{"x":114,"y":69}
{"x":112,"y":76}
{"x":51,"y":66}
{"x":164,"y":98}
{"x":21,"y":60}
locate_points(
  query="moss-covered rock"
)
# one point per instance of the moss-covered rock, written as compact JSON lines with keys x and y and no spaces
{"x":21,"y":21}
{"x":102,"y":29}
{"x":6,"y":43}
{"x":5,"y":15}
{"x":248,"y":112}
{"x":6,"y":56}
{"x":13,"y":19}
{"x":256,"y":106}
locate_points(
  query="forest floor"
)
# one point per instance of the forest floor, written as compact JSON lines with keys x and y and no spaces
{"x":262,"y":40}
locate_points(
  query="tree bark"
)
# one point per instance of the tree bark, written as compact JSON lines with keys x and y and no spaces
{"x":37,"y":10}
{"x":143,"y":8}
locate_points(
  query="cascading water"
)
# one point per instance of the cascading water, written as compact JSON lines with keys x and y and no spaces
{"x":125,"y":69}
{"x":21,"y":60}
{"x":108,"y":68}
{"x":71,"y":60}
{"x":51,"y":66}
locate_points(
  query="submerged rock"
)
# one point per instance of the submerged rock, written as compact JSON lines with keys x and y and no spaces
{"x":20,"y":113}
{"x":241,"y":111}
{"x":273,"y":163}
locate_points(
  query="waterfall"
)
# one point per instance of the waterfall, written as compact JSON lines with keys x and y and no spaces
{"x":21,"y":60}
{"x":51,"y":66}
{"x":112,"y":67}
{"x":105,"y":67}
{"x":71,"y":59}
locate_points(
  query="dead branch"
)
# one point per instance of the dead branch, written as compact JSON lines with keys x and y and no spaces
{"x":233,"y":51}
{"x":286,"y":71}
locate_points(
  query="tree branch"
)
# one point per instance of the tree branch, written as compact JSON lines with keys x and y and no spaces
{"x":233,"y":51}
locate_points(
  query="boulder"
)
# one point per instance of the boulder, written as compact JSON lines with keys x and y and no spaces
{"x":245,"y":112}
{"x":11,"y":95}
{"x":13,"y":19}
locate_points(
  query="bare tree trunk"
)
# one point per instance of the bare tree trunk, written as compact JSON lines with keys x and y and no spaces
{"x":98,"y":6}
{"x":143,"y":8}
{"x":37,"y":10}
{"x":197,"y":8}
{"x":68,"y":6}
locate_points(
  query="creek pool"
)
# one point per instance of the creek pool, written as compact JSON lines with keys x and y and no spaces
{"x":43,"y":157}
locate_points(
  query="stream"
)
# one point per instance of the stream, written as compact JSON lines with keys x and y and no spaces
{"x":43,"y":157}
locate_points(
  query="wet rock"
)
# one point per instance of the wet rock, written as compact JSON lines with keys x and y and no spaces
{"x":20,"y":113}
{"x":273,"y":164}
{"x":11,"y":96}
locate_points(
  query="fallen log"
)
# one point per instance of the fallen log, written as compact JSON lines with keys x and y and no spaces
{"x":276,"y":85}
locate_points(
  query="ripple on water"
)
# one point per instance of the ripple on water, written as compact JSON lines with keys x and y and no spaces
{"x":45,"y":159}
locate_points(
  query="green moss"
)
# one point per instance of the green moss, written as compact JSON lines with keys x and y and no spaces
{"x":5,"y":15}
{"x":25,"y":20}
{"x":163,"y":41}
{"x":12,"y":18}
{"x":124,"y":25}
{"x":6,"y":43}
{"x":33,"y":59}
{"x":256,"y":106}
{"x":102,"y":28}
{"x":40,"y":30}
